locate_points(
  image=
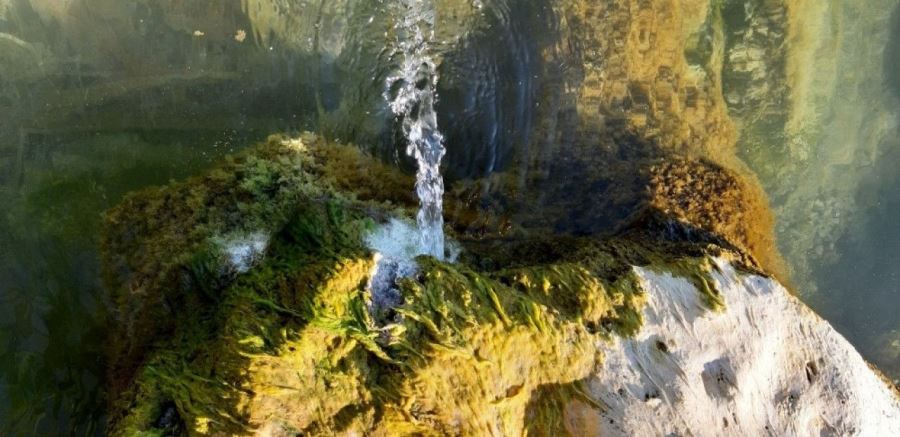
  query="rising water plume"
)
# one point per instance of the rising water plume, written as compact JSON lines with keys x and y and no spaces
{"x":411,"y":94}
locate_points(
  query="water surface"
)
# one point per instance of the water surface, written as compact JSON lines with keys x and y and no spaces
{"x":102,"y":97}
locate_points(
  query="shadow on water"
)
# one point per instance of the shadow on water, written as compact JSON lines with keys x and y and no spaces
{"x":490,"y":87}
{"x":516,"y":148}
{"x":861,"y":290}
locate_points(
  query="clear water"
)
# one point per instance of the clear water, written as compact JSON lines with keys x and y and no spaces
{"x":102,"y":97}
{"x":411,"y":94}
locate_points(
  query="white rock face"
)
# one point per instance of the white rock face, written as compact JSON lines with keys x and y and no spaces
{"x":767,"y":365}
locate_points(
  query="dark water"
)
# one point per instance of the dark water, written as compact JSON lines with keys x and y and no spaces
{"x":102,"y":97}
{"x":863,"y":288}
{"x":52,"y":307}
{"x":863,"y":298}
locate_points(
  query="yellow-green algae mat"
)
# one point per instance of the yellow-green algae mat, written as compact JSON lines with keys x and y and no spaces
{"x":290,"y":348}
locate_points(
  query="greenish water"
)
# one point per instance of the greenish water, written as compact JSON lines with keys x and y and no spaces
{"x":102,"y":97}
{"x":828,"y":160}
{"x":53,"y":308}
{"x":863,"y":282}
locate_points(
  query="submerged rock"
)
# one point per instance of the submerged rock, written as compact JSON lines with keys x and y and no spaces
{"x":528,"y":331}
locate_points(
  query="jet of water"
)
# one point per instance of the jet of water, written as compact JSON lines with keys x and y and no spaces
{"x":411,"y":95}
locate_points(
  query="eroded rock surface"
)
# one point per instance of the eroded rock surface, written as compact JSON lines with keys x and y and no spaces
{"x":764,"y":365}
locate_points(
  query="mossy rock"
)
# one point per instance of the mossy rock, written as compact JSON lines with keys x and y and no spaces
{"x":495,"y":343}
{"x":290,"y":346}
{"x":161,"y":247}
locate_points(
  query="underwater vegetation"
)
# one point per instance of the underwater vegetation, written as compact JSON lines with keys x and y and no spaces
{"x":491,"y":343}
{"x":593,"y":149}
{"x":52,"y":353}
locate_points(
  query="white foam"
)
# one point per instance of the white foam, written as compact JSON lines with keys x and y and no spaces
{"x":411,"y":94}
{"x":396,"y":245}
{"x":395,"y":239}
{"x":244,"y":251}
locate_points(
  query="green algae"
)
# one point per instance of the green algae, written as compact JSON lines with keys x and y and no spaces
{"x":497,"y":343}
{"x":158,"y":245}
{"x":293,"y":337}
{"x":202,"y":367}
{"x":295,"y":331}
{"x":698,"y":271}
{"x":573,"y":290}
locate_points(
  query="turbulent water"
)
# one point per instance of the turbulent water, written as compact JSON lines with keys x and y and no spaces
{"x":411,"y":95}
